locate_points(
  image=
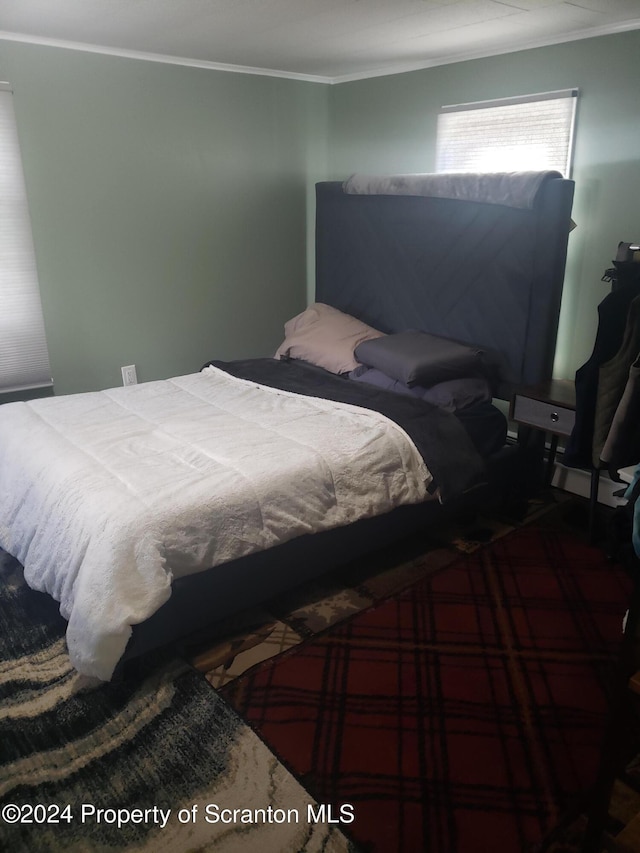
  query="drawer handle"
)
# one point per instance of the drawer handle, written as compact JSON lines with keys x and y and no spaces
{"x":555,"y":417}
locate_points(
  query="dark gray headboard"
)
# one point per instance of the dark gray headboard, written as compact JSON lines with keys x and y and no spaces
{"x":480,"y":273}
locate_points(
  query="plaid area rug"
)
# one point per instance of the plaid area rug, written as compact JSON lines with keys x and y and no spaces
{"x":155,"y":762}
{"x":462,"y":715}
{"x":254,"y":636}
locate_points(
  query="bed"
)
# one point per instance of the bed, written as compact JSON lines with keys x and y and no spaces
{"x":107,"y":498}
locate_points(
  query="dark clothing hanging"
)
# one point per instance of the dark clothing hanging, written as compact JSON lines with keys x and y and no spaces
{"x":613,"y":378}
{"x":622,"y":446}
{"x":613,"y":313}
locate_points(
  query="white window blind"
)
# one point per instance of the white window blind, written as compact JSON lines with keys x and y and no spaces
{"x":24,"y":359}
{"x":533,"y":132}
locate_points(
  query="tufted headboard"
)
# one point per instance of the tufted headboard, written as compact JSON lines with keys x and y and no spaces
{"x":477,"y":272}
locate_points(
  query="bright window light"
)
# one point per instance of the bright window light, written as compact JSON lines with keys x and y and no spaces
{"x":24,"y":358}
{"x":529,"y":133}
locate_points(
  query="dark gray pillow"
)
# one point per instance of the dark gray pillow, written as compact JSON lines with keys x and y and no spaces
{"x":452,"y":395}
{"x":417,"y":358}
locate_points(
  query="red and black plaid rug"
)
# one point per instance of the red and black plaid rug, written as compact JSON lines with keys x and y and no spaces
{"x":462,"y":716}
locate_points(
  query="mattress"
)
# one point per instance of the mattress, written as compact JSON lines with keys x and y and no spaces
{"x":107,"y":497}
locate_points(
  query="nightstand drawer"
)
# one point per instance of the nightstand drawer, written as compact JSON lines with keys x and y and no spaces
{"x":542,"y":415}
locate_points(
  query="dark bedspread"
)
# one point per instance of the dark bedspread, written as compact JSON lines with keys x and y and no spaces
{"x":445,"y":446}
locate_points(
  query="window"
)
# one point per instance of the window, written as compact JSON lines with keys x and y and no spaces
{"x":533,"y":132}
{"x":24,"y":360}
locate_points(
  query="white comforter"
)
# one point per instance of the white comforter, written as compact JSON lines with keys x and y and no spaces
{"x":106,"y":497}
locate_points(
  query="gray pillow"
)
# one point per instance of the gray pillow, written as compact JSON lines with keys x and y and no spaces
{"x":452,"y":395}
{"x":417,"y":358}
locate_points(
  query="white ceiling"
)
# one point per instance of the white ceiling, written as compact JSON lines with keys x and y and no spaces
{"x":328,"y":40}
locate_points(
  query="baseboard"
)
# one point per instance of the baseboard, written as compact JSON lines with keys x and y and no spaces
{"x":578,"y":482}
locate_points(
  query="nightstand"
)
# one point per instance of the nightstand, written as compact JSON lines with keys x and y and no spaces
{"x":548,"y":407}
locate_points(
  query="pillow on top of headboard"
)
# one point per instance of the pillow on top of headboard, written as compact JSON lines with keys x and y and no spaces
{"x":326,"y":337}
{"x":418,"y":358}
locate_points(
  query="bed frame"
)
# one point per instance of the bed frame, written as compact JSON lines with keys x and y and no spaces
{"x":480,"y":273}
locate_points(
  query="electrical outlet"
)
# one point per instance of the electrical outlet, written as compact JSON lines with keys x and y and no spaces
{"x":129,"y":376}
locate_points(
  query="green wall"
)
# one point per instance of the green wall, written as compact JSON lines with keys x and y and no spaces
{"x":172,"y":207}
{"x":169,"y":208}
{"x":388,"y":124}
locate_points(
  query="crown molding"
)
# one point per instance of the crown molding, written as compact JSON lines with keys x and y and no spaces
{"x":389,"y":70}
{"x":165,"y":59}
{"x":466,"y":56}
